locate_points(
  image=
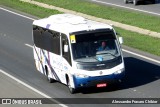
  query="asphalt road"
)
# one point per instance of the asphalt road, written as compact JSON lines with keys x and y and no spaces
{"x":146,"y":7}
{"x":16,"y":58}
{"x":12,"y":90}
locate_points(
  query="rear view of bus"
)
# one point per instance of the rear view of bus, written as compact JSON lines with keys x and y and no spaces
{"x":89,"y":52}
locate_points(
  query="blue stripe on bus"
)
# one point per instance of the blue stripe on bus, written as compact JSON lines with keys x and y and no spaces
{"x":52,"y":70}
{"x":54,"y":73}
{"x":39,"y":59}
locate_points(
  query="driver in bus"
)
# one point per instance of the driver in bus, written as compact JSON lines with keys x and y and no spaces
{"x":103,"y":46}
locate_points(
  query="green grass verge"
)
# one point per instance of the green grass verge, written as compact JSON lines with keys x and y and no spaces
{"x":132,"y":39}
{"x":134,"y":18}
{"x":139,"y":41}
{"x":28,"y":8}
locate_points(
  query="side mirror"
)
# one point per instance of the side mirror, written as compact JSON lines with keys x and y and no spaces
{"x":121,"y":40}
{"x":65,"y":48}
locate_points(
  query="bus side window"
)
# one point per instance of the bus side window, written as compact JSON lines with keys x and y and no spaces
{"x":64,"y":42}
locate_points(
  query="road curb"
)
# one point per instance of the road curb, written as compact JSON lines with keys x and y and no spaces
{"x":117,"y":24}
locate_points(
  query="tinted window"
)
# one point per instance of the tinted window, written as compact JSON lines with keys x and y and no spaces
{"x":46,"y":39}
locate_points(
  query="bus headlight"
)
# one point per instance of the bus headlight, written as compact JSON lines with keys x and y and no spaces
{"x":119,"y":71}
{"x":81,"y":76}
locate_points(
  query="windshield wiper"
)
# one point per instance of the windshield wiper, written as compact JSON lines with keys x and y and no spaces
{"x":106,"y":53}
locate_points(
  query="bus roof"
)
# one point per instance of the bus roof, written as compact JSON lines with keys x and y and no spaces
{"x":68,"y":23}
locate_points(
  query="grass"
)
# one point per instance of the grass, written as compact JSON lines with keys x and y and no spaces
{"x":28,"y":8}
{"x":140,"y":41}
{"x":132,"y":39}
{"x":125,"y":16}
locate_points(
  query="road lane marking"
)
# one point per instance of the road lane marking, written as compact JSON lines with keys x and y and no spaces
{"x":16,"y":13}
{"x":142,"y":56}
{"x":30,"y":87}
{"x":125,"y":7}
{"x":29,"y":45}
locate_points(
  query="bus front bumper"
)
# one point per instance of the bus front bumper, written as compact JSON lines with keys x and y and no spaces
{"x":94,"y":81}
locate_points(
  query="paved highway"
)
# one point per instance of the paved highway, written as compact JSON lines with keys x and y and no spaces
{"x":16,"y":58}
{"x":146,"y":7}
{"x":12,"y":88}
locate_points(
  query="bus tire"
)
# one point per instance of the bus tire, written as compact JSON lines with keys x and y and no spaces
{"x":135,"y":2}
{"x":153,"y":1}
{"x":72,"y":90}
{"x":48,"y":78}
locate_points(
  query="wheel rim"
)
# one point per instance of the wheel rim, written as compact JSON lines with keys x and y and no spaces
{"x":125,"y":1}
{"x":135,"y":2}
{"x":70,"y":88}
{"x":49,"y":79}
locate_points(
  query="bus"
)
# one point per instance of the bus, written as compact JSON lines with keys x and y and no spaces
{"x":77,"y":52}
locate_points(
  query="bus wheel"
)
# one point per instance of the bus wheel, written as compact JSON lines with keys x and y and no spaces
{"x":72,"y":90}
{"x":135,"y":2}
{"x":153,"y":1}
{"x":48,"y":78}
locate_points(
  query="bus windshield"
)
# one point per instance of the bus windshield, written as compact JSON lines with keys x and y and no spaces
{"x":94,"y":46}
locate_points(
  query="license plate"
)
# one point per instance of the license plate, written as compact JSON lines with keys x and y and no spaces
{"x":102,"y":85}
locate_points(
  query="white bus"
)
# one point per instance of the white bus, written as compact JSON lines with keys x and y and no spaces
{"x":77,"y":52}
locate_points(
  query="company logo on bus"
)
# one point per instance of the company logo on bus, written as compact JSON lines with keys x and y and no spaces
{"x":100,"y":72}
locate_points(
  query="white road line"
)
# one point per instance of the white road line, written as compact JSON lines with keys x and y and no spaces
{"x":29,"y":45}
{"x":30,"y":87}
{"x":17,"y":13}
{"x":126,"y":7}
{"x":142,"y":56}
